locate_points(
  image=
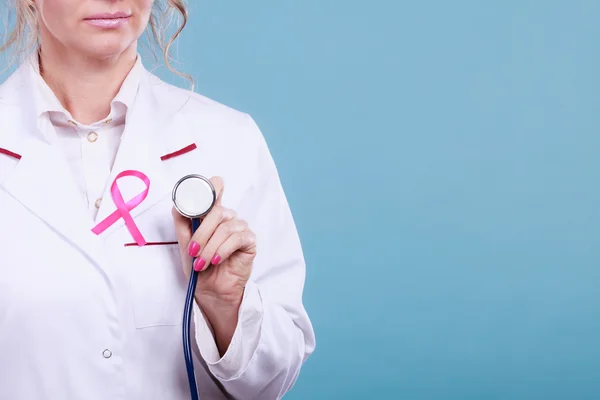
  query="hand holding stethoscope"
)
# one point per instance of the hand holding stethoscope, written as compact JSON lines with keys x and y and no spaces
{"x":224,"y":249}
{"x":221,"y":249}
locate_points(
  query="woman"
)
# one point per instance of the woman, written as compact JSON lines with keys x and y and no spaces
{"x":91,"y":306}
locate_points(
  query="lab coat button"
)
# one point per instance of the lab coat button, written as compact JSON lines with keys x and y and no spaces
{"x":97,"y":202}
{"x":92,"y":137}
{"x":107,"y":353}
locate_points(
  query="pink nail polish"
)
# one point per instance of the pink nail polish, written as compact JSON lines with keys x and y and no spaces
{"x":216,"y":259}
{"x":199,"y":264}
{"x":193,"y":249}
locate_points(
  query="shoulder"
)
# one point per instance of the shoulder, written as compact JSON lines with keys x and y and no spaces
{"x":205,"y":114}
{"x":13,"y":99}
{"x":13,"y":83}
{"x":11,"y":90}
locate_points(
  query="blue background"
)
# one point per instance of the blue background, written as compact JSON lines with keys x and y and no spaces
{"x":441,"y":160}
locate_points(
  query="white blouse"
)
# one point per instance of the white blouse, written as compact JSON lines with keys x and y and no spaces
{"x":89,"y":149}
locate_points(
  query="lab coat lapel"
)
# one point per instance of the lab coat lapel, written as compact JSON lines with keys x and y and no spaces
{"x":140,"y":150}
{"x":42,"y":182}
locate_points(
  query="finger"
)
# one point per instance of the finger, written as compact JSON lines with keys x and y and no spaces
{"x":241,"y":241}
{"x":213,"y":219}
{"x":219,"y":186}
{"x":224,"y":231}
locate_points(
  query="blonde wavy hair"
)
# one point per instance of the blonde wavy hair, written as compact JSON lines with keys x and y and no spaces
{"x":22,"y":36}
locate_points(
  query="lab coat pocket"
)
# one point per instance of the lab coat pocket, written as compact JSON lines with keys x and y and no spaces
{"x":158,"y":284}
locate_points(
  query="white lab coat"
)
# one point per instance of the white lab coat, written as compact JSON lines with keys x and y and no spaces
{"x":82,"y":316}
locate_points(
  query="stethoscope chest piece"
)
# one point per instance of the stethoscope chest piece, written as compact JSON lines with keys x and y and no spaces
{"x":193,"y":196}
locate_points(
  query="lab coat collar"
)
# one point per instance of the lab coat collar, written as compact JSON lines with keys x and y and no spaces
{"x":41,"y":182}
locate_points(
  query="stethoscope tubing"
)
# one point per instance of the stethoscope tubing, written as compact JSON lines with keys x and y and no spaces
{"x":187,"y":321}
{"x":191,"y":291}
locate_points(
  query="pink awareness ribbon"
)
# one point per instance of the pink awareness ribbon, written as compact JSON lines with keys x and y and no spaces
{"x":123,"y":208}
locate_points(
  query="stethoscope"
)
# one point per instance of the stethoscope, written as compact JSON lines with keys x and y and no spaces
{"x":193,"y":197}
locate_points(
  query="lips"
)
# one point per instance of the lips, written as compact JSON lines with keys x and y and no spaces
{"x":108,"y":20}
{"x":117,"y":15}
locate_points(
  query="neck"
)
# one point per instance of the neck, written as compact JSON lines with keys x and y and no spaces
{"x":83,"y":85}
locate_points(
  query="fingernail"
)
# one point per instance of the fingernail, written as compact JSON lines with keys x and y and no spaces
{"x":216,"y":259}
{"x":193,"y":249}
{"x":199,"y":264}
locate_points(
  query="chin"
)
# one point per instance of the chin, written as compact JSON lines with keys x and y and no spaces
{"x":105,"y":48}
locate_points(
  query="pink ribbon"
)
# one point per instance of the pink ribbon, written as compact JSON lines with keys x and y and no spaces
{"x":123,"y":208}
